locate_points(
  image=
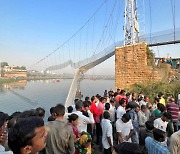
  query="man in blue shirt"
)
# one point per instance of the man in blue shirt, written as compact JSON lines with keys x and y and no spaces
{"x":156,"y":146}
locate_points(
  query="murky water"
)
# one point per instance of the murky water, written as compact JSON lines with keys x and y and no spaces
{"x":25,"y":95}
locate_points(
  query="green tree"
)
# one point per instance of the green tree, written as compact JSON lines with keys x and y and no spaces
{"x":150,"y":56}
{"x":4,"y":64}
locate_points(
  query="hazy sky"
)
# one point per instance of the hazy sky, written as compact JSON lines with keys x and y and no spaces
{"x":31,"y":29}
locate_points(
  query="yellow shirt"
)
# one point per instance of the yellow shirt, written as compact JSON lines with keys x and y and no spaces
{"x":162,"y":101}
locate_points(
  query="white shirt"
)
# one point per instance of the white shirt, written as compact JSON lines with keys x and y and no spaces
{"x":142,"y":102}
{"x":83,"y":120}
{"x":2,"y":150}
{"x":124,"y":128}
{"x":106,"y":132}
{"x":158,"y":123}
{"x":112,"y":113}
{"x":142,"y":118}
{"x":120,"y":112}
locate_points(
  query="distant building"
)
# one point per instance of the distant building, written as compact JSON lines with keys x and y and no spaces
{"x":14,"y":71}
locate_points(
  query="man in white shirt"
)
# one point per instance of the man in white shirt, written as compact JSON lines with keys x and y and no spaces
{"x":121,"y":109}
{"x":107,"y":136}
{"x":124,"y":128}
{"x":161,"y":123}
{"x":83,"y":120}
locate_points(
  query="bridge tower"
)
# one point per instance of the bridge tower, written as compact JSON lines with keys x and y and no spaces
{"x":131,"y":25}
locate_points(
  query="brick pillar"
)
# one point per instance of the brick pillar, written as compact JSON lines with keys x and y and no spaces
{"x":131,"y":66}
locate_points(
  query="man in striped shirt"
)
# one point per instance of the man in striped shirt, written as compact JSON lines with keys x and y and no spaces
{"x":173,"y":108}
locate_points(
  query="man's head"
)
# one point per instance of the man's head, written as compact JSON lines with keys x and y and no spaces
{"x":149,"y":125}
{"x":79,"y":105}
{"x":41,"y":112}
{"x":27,"y":136}
{"x":166,"y":117}
{"x":159,"y":135}
{"x":136,"y":108}
{"x":146,"y":98}
{"x":122,"y":102}
{"x":106,"y":115}
{"x":69,"y":109}
{"x":143,"y":108}
{"x":86,"y":105}
{"x":126,"y":117}
{"x":156,"y":100}
{"x":107,"y":106}
{"x":172,"y":100}
{"x":59,"y":111}
{"x":87,"y":98}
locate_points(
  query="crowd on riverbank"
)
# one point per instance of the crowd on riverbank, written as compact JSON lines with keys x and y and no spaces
{"x":116,"y":122}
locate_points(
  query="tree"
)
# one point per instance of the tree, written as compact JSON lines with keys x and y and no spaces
{"x":4,"y":64}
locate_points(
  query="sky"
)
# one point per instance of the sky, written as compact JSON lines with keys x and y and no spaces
{"x":32,"y":29}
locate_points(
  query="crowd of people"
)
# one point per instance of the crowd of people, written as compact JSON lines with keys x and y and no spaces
{"x":116,"y":122}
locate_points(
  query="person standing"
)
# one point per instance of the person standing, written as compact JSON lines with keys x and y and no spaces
{"x":121,"y":109}
{"x":175,"y":143}
{"x":124,"y":128}
{"x":107,"y":133}
{"x":83,"y":120}
{"x":135,"y":121}
{"x":156,"y":146}
{"x":161,"y":123}
{"x":173,"y":108}
{"x":60,"y":137}
{"x":142,"y":117}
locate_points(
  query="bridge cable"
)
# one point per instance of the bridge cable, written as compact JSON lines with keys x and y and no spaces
{"x":173,"y":14}
{"x":72,"y":36}
{"x":150,"y":13}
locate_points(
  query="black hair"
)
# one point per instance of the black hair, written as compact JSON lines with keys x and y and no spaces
{"x":23,"y":132}
{"x":59,"y":109}
{"x":160,"y":94}
{"x":143,"y":107}
{"x":158,"y":134}
{"x":122,"y":101}
{"x":106,"y":115}
{"x":162,"y":108}
{"x":51,"y":110}
{"x":72,"y":117}
{"x":87,"y":98}
{"x":149,"y":125}
{"x":156,"y":99}
{"x":122,"y":91}
{"x":92,"y":98}
{"x":126,"y":116}
{"x":79,"y":104}
{"x":28,"y":113}
{"x":115,"y":94}
{"x":70,"y":109}
{"x":129,"y":148}
{"x":167,"y":115}
{"x":3,"y":118}
{"x":86,"y":104}
{"x":40,"y":111}
{"x":107,"y":106}
{"x":101,"y":99}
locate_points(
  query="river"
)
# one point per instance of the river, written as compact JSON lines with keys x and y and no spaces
{"x":23,"y":95}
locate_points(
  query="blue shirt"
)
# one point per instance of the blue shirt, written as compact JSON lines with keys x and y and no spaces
{"x":155,"y":147}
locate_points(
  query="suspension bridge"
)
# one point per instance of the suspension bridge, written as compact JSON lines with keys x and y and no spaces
{"x":83,"y":51}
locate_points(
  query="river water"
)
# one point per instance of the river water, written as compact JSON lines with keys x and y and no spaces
{"x":23,"y":95}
